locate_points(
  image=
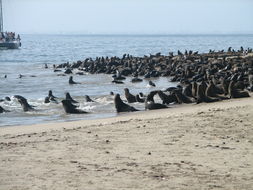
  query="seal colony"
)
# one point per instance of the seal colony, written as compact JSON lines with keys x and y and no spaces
{"x":206,"y":77}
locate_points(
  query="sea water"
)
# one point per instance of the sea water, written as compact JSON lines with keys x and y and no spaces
{"x":38,"y":50}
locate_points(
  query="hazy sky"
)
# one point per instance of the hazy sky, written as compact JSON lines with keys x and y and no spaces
{"x":129,"y":16}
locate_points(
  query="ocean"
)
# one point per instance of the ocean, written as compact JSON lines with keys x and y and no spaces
{"x":38,"y":50}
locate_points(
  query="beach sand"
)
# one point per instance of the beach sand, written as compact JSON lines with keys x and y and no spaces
{"x":204,"y":146}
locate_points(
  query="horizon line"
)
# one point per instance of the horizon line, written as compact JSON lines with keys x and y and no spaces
{"x":136,"y":34}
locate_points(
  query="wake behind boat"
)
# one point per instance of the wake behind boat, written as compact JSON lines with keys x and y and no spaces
{"x":8,"y":40}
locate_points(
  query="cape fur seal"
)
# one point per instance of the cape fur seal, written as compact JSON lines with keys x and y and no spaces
{"x":139,"y":99}
{"x":2,"y":110}
{"x":150,"y":103}
{"x":68,"y":97}
{"x":130,"y":97}
{"x":72,"y":82}
{"x":181,"y":98}
{"x":167,"y":99}
{"x":70,"y":108}
{"x":121,"y":106}
{"x":150,"y":83}
{"x":213,"y":91}
{"x":26,"y":107}
{"x":88,"y":99}
{"x":201,"y":96}
{"x":236,"y":93}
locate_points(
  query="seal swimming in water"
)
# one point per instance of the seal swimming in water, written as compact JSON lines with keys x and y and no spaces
{"x":26,"y":107}
{"x":88,"y":99}
{"x":50,"y":94}
{"x":150,"y":83}
{"x":136,"y":79}
{"x":68,"y":97}
{"x":2,"y":110}
{"x":139,"y":99}
{"x":130,"y":97}
{"x":70,"y":108}
{"x":72,"y":82}
{"x":121,"y":106}
{"x":50,"y":97}
{"x":236,"y":93}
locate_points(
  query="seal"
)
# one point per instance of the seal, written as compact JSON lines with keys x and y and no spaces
{"x":2,"y":110}
{"x":139,"y":99}
{"x":201,"y":96}
{"x":236,"y":93}
{"x":50,"y":94}
{"x":194,"y":89}
{"x":213,"y":91}
{"x":150,"y":103}
{"x":130,"y":97}
{"x":167,"y":99}
{"x":150,"y":83}
{"x":117,"y":82}
{"x":187,"y":90}
{"x":70,"y":108}
{"x":50,"y":99}
{"x":121,"y":106}
{"x":68,"y":97}
{"x":26,"y":107}
{"x":136,"y":79}
{"x":88,"y":99}
{"x":7,"y":98}
{"x":181,"y":98}
{"x":72,"y":82}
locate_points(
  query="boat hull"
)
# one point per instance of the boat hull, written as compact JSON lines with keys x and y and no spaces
{"x":10,"y":45}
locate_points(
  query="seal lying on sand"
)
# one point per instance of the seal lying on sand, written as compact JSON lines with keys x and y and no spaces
{"x":70,"y":108}
{"x":121,"y":106}
{"x":167,"y":99}
{"x":236,"y":93}
{"x":130,"y":97}
{"x":181,"y":98}
{"x":201,"y":96}
{"x":213,"y":91}
{"x":150,"y":103}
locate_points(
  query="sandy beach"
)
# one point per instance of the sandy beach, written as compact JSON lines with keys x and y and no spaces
{"x":204,"y":146}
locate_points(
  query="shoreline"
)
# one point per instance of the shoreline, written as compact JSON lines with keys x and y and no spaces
{"x":203,"y":146}
{"x":125,"y":116}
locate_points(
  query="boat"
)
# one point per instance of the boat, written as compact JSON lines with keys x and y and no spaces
{"x":8,"y":40}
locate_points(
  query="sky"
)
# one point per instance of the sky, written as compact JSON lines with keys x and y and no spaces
{"x":128,"y":16}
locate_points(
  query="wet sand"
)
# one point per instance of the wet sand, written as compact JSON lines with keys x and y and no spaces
{"x":205,"y":146}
